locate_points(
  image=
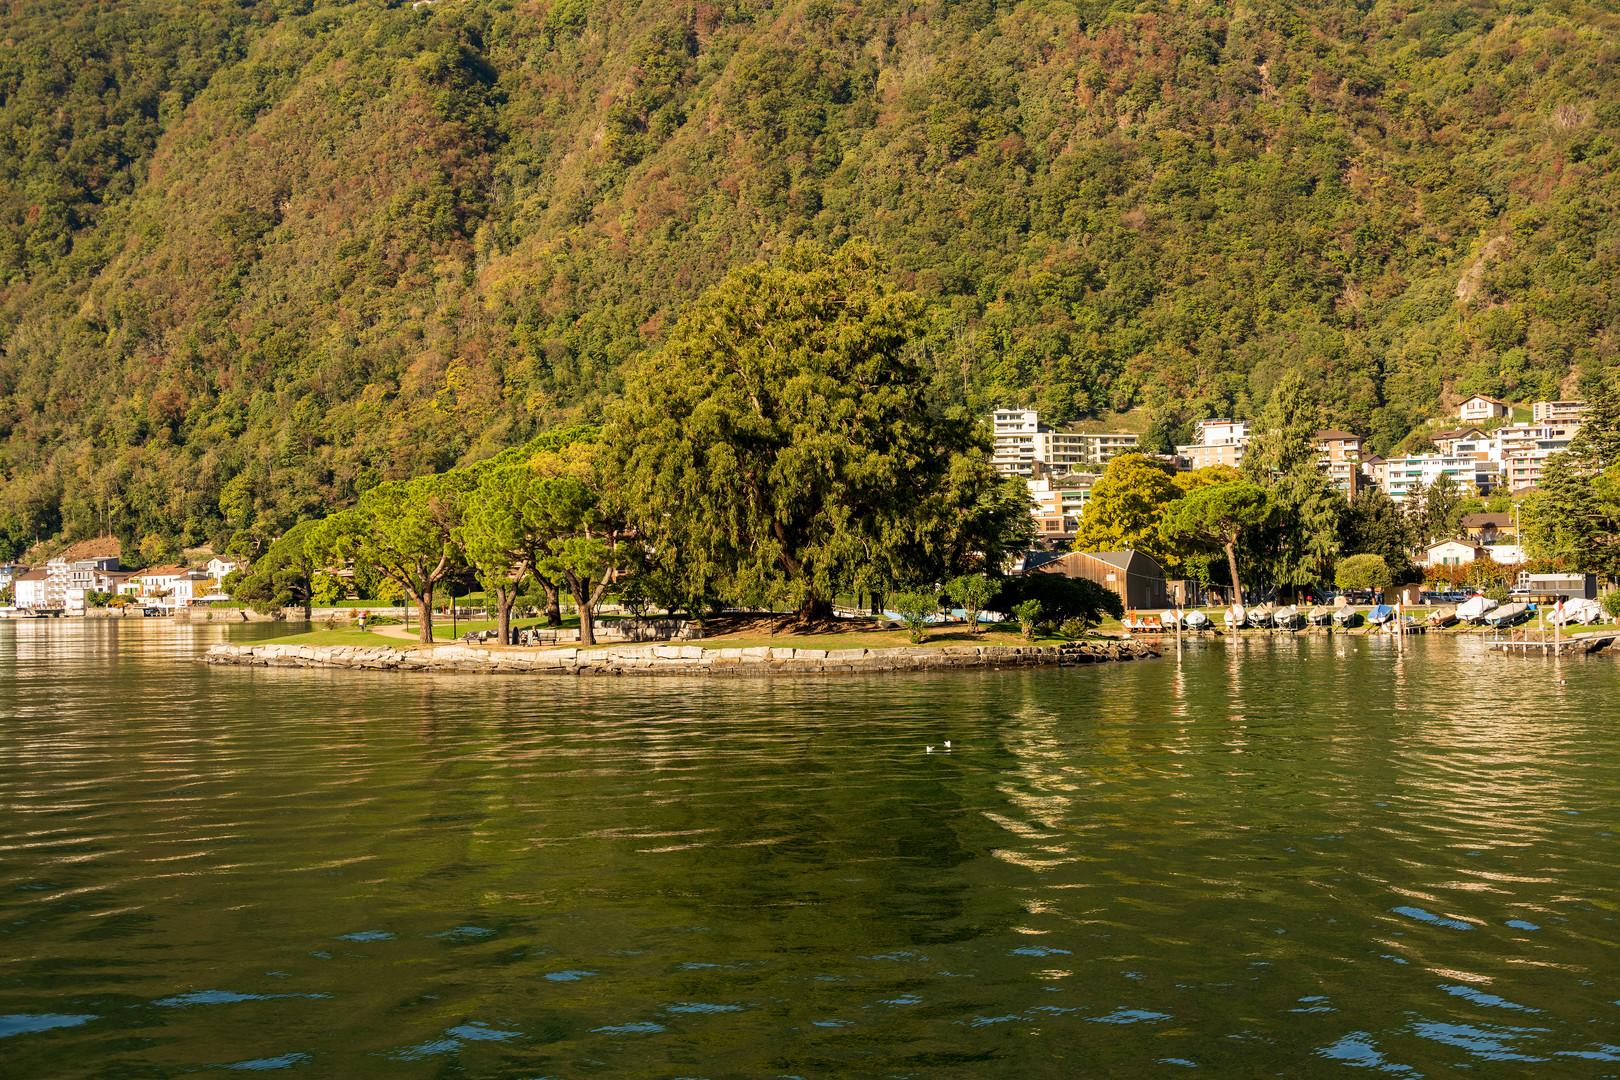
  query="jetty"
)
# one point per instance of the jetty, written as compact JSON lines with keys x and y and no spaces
{"x":1589,"y":642}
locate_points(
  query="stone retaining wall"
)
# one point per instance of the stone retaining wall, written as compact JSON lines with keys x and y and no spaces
{"x":670,"y":659}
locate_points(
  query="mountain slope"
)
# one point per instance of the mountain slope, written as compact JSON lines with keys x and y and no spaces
{"x":260,"y":257}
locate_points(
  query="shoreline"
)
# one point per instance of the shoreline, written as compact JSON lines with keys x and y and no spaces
{"x":671,"y":659}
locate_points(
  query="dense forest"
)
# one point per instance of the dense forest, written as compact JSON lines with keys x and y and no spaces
{"x":257,"y":257}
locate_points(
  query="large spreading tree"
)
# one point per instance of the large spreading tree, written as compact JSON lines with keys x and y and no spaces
{"x":1223,"y":515}
{"x":1127,"y":503}
{"x":780,"y":442}
{"x":404,"y":530}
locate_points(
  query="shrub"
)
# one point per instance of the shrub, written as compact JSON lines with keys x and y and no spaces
{"x":914,"y":608}
{"x":972,"y":591}
{"x":1028,"y":614}
{"x":1061,"y":598}
{"x":1368,"y":571}
{"x":1611,"y":604}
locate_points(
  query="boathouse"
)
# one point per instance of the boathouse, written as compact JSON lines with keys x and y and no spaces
{"x":1133,"y":575}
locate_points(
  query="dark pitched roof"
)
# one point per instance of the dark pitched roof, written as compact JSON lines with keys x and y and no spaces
{"x":1457,"y":433}
{"x":1324,"y":436}
{"x":1032,"y":558}
{"x":1483,"y":397}
{"x":1479,"y":521}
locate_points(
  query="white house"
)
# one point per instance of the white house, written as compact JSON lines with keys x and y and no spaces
{"x":168,"y":586}
{"x":217,"y":568}
{"x":1451,"y":553}
{"x":1479,"y":407}
{"x":28,"y":590}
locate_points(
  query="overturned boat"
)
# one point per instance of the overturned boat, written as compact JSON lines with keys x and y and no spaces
{"x":1346,"y":617}
{"x":1288,"y":618}
{"x":1261,"y":615}
{"x":1195,"y":620}
{"x":1510,"y":615}
{"x":1320,"y":616}
{"x":1380,"y":614}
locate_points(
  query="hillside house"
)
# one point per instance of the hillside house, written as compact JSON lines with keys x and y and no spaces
{"x":1480,"y":408}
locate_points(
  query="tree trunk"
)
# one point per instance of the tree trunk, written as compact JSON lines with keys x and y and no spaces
{"x":553,"y":608}
{"x":1231,"y":563}
{"x":587,"y":609}
{"x":424,"y":614}
{"x":814,"y":609}
{"x":505,"y":597}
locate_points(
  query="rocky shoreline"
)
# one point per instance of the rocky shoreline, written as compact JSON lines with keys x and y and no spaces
{"x":672,"y":659}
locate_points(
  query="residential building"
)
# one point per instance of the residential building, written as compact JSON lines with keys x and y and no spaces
{"x":1463,"y":440}
{"x":217,"y":568}
{"x":1133,"y":575}
{"x":28,"y":590}
{"x":1451,"y":553}
{"x":1488,"y":528}
{"x":1404,"y":475}
{"x":1024,"y":446}
{"x":1220,"y":442}
{"x":1479,"y":408}
{"x":83,"y":567}
{"x":1341,"y":457}
{"x":10,"y":573}
{"x":167,"y":586}
{"x":1375,"y":469}
{"x":1567,"y":412}
{"x":1059,"y":503}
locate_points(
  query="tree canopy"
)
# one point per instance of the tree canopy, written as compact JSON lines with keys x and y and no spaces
{"x":781,"y":442}
{"x":1221,"y":515}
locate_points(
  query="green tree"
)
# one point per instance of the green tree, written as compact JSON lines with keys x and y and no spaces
{"x":404,"y":530}
{"x":1573,"y":516}
{"x":1373,"y":524}
{"x":1220,"y":514}
{"x":1028,"y":614}
{"x":915,"y":606}
{"x":1126,"y":506}
{"x":279,"y":578}
{"x":583,"y":540}
{"x":972,"y":592}
{"x":1302,"y":538}
{"x":1365,"y":571}
{"x":781,"y":440}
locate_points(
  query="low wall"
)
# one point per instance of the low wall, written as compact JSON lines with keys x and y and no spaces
{"x":670,"y":659}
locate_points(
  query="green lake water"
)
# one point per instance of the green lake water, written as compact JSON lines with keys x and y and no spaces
{"x":1297,"y":857}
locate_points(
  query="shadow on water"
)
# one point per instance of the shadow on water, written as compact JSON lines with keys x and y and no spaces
{"x":1271,"y":856}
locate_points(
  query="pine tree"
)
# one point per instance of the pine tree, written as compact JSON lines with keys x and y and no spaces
{"x":1301,"y":540}
{"x":1573,"y":517}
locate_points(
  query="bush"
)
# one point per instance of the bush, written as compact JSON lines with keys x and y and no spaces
{"x":1611,"y":604}
{"x":1368,"y":571}
{"x":972,"y":591}
{"x":1028,"y":615}
{"x":914,"y":608}
{"x":1061,"y":598}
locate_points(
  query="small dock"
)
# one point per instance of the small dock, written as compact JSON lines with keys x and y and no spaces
{"x":1588,"y":642}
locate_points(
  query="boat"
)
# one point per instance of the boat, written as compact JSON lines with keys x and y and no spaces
{"x":1583,"y":612}
{"x":1288,"y":618}
{"x":1260,"y":615}
{"x":1196,"y":620}
{"x":1443,"y":616}
{"x":1380,"y":614}
{"x":1510,"y":615}
{"x":1170,"y":619}
{"x":1347,"y":617}
{"x":1405,"y":624}
{"x":1474,"y":609}
{"x":1235,"y":616}
{"x":1319,"y":616}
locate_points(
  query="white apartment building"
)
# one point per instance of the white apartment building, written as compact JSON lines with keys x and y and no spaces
{"x":1026,"y":447}
{"x":1404,"y":475}
{"x":1557,"y":412}
{"x":167,"y":586}
{"x":1220,"y":442}
{"x":28,"y":590}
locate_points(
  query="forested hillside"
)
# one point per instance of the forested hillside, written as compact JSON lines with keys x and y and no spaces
{"x":257,"y":257}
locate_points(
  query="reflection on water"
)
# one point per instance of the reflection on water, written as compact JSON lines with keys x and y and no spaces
{"x":1276,"y":856}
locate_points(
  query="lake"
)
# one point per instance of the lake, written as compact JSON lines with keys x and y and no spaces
{"x":1282,"y":856}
